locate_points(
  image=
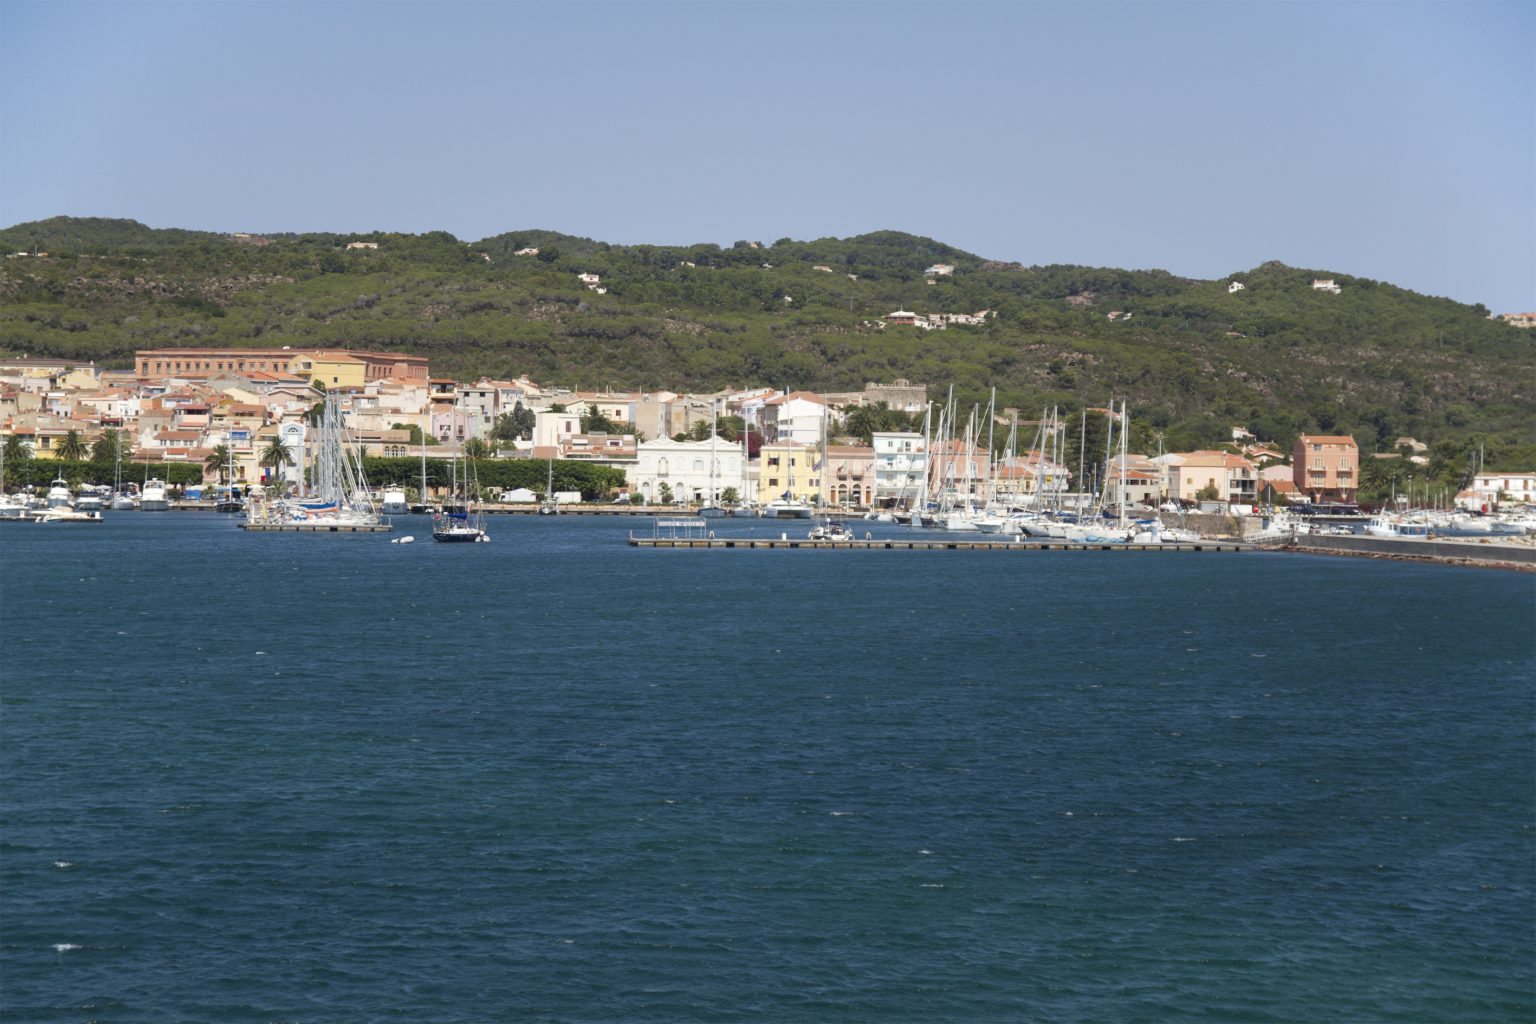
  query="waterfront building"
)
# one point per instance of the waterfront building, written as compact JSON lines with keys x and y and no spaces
{"x":789,"y":468}
{"x":1503,"y":488}
{"x":1326,"y":467}
{"x":693,"y":471}
{"x":900,"y":460}
{"x":1234,"y":478}
{"x":850,"y":475}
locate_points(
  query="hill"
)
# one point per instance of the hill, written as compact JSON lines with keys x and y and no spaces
{"x":1192,"y":357}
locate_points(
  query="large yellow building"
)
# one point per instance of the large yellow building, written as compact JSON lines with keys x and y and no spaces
{"x":791,"y":468}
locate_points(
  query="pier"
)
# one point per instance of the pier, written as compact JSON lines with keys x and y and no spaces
{"x":895,"y":544}
{"x":314,"y":528}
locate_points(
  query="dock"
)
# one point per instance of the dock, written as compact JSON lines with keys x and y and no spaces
{"x":314,"y":528}
{"x":893,"y":544}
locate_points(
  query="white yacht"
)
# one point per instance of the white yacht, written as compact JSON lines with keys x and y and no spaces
{"x":153,"y":497}
{"x":394,"y":503}
{"x":58,"y":495}
{"x":785,"y":507}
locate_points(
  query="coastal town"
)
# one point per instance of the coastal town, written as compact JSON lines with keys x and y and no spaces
{"x":229,"y":411}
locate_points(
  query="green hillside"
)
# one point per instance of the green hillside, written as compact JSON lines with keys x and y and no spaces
{"x":1377,"y":361}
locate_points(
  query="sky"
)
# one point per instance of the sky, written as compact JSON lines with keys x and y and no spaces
{"x":1395,"y":141}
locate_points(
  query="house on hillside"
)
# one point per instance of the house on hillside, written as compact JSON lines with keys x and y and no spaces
{"x":940,"y":270}
{"x":1325,"y":284}
{"x":1235,"y":287}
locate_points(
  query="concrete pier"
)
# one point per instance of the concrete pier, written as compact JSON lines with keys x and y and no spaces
{"x":314,"y":528}
{"x":890,"y":544}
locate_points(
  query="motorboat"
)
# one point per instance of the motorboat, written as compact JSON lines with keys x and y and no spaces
{"x":830,"y":530}
{"x":394,"y":503}
{"x":58,"y":495}
{"x":787,"y":508}
{"x":153,"y":497}
{"x":68,"y":515}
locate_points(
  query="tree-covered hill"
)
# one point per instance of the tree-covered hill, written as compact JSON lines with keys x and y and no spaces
{"x":1192,"y":358}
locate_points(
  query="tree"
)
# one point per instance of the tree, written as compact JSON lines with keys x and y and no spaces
{"x":730,"y":496}
{"x":594,"y":422}
{"x":515,"y":425}
{"x":218,"y":461}
{"x":1208,"y":493}
{"x":108,"y":447}
{"x":17,"y":448}
{"x":72,"y":448}
{"x":476,"y":448}
{"x":415,"y":431}
{"x":275,"y":455}
{"x":664,"y":493}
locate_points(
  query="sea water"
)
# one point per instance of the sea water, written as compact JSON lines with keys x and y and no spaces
{"x":553,"y":778}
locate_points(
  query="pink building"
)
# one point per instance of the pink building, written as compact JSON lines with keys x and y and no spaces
{"x":1326,"y":467}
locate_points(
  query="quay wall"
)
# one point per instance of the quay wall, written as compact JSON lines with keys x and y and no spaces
{"x":1521,"y":556}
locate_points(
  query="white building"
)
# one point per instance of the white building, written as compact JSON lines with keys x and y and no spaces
{"x":1325,"y":284}
{"x":692,"y":470}
{"x":940,"y":270}
{"x":901,"y":461}
{"x":798,"y":417}
{"x":1516,"y":487}
{"x":555,"y":429}
{"x":1236,"y":286}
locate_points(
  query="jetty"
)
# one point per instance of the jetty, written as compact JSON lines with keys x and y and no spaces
{"x":902,"y":544}
{"x":317,"y":527}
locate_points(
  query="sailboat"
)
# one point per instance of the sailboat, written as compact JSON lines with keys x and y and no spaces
{"x":550,"y":506}
{"x":423,"y":506}
{"x":121,"y":501}
{"x":230,"y":502}
{"x":340,"y":495}
{"x":456,"y":524}
{"x":712,"y":509}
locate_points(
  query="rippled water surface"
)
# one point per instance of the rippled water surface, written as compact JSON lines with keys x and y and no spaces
{"x":553,"y":778}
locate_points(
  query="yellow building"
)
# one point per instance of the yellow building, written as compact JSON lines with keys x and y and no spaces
{"x":792,"y":468}
{"x":331,"y":370}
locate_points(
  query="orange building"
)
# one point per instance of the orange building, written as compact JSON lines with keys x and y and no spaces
{"x":1325,"y":467}
{"x":202,"y":363}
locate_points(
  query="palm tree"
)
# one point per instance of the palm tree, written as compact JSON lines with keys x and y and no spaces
{"x":218,"y":461}
{"x":107,"y":446}
{"x":476,"y":448}
{"x":17,"y":448}
{"x":72,"y":448}
{"x":275,"y":455}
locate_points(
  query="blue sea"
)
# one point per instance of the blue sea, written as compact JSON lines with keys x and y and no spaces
{"x":555,"y":778}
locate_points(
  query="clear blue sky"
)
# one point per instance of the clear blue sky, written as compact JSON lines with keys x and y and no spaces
{"x":1391,"y":140}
